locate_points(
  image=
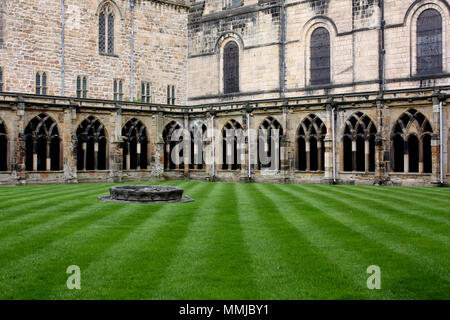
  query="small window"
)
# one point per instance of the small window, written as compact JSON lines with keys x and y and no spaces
{"x":145,"y":92}
{"x":41,"y":83}
{"x":231,"y":3}
{"x":81,"y":87}
{"x":429,"y":42}
{"x":1,"y":80}
{"x":118,"y":90}
{"x":106,"y":31}
{"x":171,"y":95}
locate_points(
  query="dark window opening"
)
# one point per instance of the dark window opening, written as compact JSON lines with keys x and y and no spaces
{"x":145,"y":92}
{"x":91,"y":151}
{"x":399,"y":154}
{"x":320,"y":57}
{"x":231,"y":68}
{"x":173,"y":155}
{"x":3,"y":148}
{"x":427,"y":156}
{"x":135,"y":144}
{"x":413,"y":153}
{"x":171,"y":95}
{"x":270,"y":144}
{"x":231,"y":145}
{"x":360,"y":155}
{"x":312,"y":132}
{"x":429,"y":42}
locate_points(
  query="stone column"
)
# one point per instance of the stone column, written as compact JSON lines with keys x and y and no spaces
{"x":48,"y":164}
{"x":186,"y":145}
{"x":84,"y":155}
{"x":380,"y":145}
{"x":308,"y":155}
{"x":115,"y":151}
{"x":35,"y":156}
{"x":328,"y":145}
{"x":366,"y":156}
{"x":70,"y":144}
{"x":244,"y":148}
{"x":436,"y":142}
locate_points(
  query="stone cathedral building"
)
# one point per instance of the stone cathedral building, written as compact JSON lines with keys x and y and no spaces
{"x":357,"y":90}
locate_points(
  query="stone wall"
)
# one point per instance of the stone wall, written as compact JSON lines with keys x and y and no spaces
{"x":33,"y":37}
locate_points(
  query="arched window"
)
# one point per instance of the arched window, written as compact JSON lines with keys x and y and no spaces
{"x":429,"y":42}
{"x":81,"y":87}
{"x":359,"y":143}
{"x":269,"y":144}
{"x":92,"y":145}
{"x":231,"y":68}
{"x":310,"y":144}
{"x":106,"y":30}
{"x":3,"y":147}
{"x":134,"y":145}
{"x":411,"y":143}
{"x":198,"y":137}
{"x":42,"y":144}
{"x":320,"y":57}
{"x":232,"y":145}
{"x":173,"y":151}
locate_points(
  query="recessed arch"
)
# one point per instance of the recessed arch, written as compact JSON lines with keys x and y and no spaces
{"x":173,"y":151}
{"x":42,"y":144}
{"x":359,"y":143}
{"x":270,"y":134}
{"x":310,"y":138}
{"x":135,"y":145}
{"x":3,"y":146}
{"x":92,"y":145}
{"x":232,"y":144}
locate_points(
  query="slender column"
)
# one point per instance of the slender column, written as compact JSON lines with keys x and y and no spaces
{"x":319,"y":156}
{"x":354,"y":155}
{"x":139,"y":165}
{"x":48,"y":159}
{"x":308,"y":155}
{"x":328,"y":144}
{"x":84,"y":146}
{"x":420,"y":155}
{"x":187,"y":145}
{"x":366,"y":155}
{"x":436,"y":142}
{"x":35,"y":156}
{"x":406,"y":157}
{"x":127,"y":160}
{"x":96,"y":155}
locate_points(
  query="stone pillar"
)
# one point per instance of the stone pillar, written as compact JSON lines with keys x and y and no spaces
{"x":406,"y":156}
{"x":115,"y":151}
{"x":128,"y":156}
{"x":48,"y":164}
{"x":354,"y":160}
{"x":138,"y":156}
{"x":186,"y":145}
{"x":158,"y":158}
{"x":84,"y":155}
{"x":70,"y":144}
{"x":366,"y":156}
{"x":328,"y":145}
{"x":308,"y":155}
{"x":436,"y":143}
{"x":35,"y":156}
{"x":244,"y":148}
{"x":380,"y":145}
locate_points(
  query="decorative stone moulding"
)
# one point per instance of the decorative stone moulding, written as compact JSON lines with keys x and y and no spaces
{"x":145,"y":194}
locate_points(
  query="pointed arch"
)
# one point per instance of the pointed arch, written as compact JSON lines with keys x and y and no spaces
{"x":232,"y":145}
{"x":92,"y":149}
{"x":198,"y":136}
{"x":359,"y":143}
{"x":135,"y":145}
{"x":173,"y":140}
{"x":310,"y":144}
{"x":42,"y":144}
{"x":411,"y":143}
{"x":270,"y":133}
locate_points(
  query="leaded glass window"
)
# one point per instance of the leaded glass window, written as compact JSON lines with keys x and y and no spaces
{"x":145,"y":92}
{"x":171,"y":94}
{"x":320,"y":57}
{"x":101,"y":33}
{"x":106,"y":31}
{"x":38,"y":83}
{"x":429,"y":42}
{"x":231,"y":68}
{"x":110,"y":34}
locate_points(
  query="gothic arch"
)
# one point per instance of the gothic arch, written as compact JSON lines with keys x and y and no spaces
{"x":359,"y":143}
{"x":231,"y":145}
{"x":270,"y":133}
{"x":310,"y":144}
{"x":173,"y":140}
{"x":135,"y":145}
{"x":92,"y":148}
{"x":198,"y":137}
{"x":112,"y":3}
{"x":42,"y":144}
{"x":411,"y":143}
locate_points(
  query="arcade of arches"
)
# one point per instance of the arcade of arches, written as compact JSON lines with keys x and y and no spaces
{"x":376,"y":143}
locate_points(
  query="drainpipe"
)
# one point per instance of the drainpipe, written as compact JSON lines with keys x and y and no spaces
{"x":63,"y":47}
{"x":441,"y":144}
{"x":132,"y":51}
{"x":249,"y":141}
{"x":283,"y":49}
{"x":382,"y":50}
{"x":334,"y":143}
{"x":213,"y":149}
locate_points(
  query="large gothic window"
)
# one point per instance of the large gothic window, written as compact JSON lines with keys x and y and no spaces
{"x":232,"y":145}
{"x":231,"y":68}
{"x":134,"y":146}
{"x":173,"y":151}
{"x":106,"y":30}
{"x":359,"y":143}
{"x":92,"y":145}
{"x":269,"y":144}
{"x":310,"y":144}
{"x":320,"y":57}
{"x":42,"y":144}
{"x":3,"y":147}
{"x":429,"y":42}
{"x":411,"y":143}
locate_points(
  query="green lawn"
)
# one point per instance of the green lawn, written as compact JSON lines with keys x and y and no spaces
{"x":236,"y":241}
